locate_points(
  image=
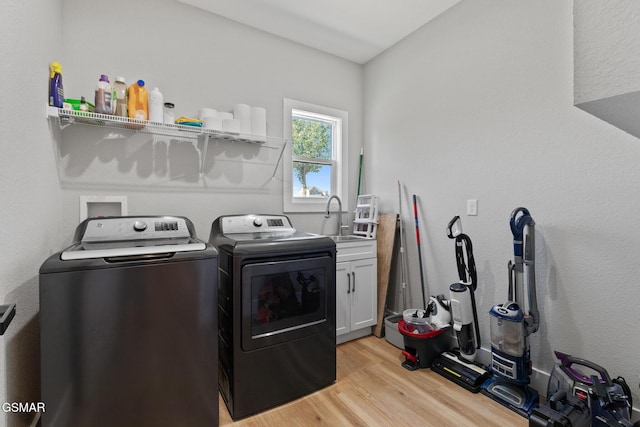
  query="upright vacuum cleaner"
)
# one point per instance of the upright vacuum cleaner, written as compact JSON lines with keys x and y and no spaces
{"x":458,"y":366}
{"x":512,"y":324}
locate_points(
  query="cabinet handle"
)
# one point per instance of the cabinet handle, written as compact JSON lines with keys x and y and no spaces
{"x":354,"y":281}
{"x":348,"y":283}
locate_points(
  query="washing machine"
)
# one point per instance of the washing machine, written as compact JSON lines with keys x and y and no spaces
{"x":128,"y":326}
{"x":276,"y":311}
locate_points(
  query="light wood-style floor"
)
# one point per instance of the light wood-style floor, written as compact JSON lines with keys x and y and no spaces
{"x":373,"y":389}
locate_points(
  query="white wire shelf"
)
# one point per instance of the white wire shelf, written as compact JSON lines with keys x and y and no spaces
{"x":67,"y":117}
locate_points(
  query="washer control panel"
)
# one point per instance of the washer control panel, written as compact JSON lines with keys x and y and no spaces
{"x":255,"y":224}
{"x":134,"y":228}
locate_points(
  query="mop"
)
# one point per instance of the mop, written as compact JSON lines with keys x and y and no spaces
{"x":403,"y":267}
{"x":360,"y":170}
{"x":415,"y":214}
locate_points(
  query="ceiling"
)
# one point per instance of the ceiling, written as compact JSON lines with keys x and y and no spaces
{"x":356,"y":30}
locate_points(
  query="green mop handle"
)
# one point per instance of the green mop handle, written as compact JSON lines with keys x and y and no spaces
{"x":360,"y":171}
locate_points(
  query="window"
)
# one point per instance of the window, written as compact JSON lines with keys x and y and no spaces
{"x":315,"y":162}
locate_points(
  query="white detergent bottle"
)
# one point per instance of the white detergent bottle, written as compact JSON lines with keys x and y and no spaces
{"x":156,"y":106}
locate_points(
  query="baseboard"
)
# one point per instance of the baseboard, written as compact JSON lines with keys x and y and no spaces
{"x":363,"y":332}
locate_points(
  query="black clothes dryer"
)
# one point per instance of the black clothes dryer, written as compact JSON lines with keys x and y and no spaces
{"x":276,"y":313}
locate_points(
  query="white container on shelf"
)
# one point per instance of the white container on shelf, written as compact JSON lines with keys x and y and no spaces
{"x":156,"y":106}
{"x":242,"y":112}
{"x":169,"y":113}
{"x":207,"y":112}
{"x":259,"y":122}
{"x":231,"y":125}
{"x":225,"y":115}
{"x":212,"y":122}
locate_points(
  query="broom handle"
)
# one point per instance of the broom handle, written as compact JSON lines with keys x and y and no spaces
{"x":403,"y":267}
{"x":415,"y":214}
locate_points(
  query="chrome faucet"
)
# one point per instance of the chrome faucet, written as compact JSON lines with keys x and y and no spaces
{"x":328,"y":214}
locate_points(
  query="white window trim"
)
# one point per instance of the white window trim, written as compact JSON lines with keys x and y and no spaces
{"x":311,"y":204}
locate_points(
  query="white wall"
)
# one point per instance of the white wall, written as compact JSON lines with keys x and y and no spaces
{"x":606,"y":67}
{"x":606,"y":41}
{"x":478,"y":104}
{"x":29,"y":190}
{"x":197,"y":59}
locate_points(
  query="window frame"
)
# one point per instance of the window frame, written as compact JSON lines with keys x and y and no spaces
{"x":339,"y":161}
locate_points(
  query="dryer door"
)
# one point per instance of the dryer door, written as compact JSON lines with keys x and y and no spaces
{"x":286,"y":300}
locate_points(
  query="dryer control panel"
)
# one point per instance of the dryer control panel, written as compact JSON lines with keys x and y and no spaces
{"x":256,"y":224}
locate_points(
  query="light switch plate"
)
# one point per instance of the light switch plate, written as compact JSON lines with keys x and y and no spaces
{"x":472,"y":207}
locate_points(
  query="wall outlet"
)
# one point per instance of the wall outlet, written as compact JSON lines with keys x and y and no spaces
{"x":472,"y":207}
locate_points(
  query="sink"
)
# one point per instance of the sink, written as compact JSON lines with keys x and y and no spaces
{"x":347,"y":238}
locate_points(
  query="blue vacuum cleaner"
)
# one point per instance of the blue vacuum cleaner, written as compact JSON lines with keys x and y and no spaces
{"x":512,"y":323}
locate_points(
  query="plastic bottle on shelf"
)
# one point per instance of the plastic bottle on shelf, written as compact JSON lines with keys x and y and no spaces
{"x":56,"y":91}
{"x":103,"y":95}
{"x":169,"y":114}
{"x":156,"y":104}
{"x":119,"y":98}
{"x":138,"y":101}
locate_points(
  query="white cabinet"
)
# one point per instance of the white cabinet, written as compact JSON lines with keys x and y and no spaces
{"x":356,"y":289}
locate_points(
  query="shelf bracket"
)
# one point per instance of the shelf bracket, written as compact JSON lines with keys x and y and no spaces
{"x":204,"y":154}
{"x":275,"y":169}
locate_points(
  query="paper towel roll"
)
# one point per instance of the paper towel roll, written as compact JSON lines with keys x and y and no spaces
{"x":242,"y":112}
{"x":212,"y":122}
{"x":207,"y":112}
{"x":231,"y":125}
{"x":224,"y":115}
{"x":259,"y":122}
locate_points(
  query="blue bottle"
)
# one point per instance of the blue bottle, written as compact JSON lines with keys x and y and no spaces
{"x":56,"y":91}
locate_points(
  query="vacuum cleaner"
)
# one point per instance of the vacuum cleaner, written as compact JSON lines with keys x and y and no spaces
{"x":512,"y":323}
{"x":607,"y":400}
{"x":561,"y":410}
{"x":459,"y":366}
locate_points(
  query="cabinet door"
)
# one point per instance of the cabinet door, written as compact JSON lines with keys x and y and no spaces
{"x":364,"y":293}
{"x":343,"y":300}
